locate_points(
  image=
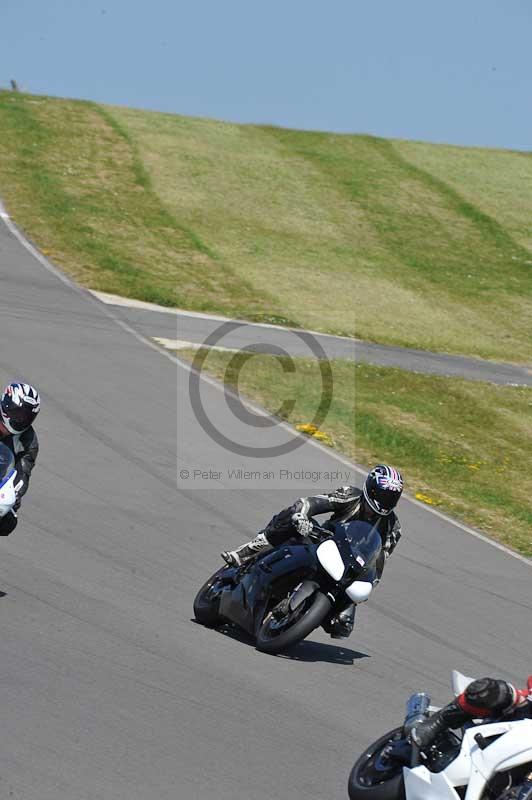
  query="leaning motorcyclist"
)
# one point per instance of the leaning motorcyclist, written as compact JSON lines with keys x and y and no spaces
{"x":485,"y":697}
{"x":19,"y":406}
{"x":375,"y":504}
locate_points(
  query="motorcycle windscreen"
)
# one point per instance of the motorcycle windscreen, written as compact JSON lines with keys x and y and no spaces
{"x":7,"y":463}
{"x":363,"y":539}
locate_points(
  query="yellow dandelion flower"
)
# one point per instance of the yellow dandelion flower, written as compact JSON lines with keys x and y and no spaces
{"x":307,"y":427}
{"x":313,"y":430}
{"x":425,"y":499}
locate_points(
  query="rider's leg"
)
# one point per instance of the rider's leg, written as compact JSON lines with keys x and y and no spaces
{"x":265,"y":540}
{"x":260,"y":544}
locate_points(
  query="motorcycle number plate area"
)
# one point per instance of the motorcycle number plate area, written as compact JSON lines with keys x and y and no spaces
{"x":330,"y":559}
{"x":7,"y":495}
{"x":420,"y":784}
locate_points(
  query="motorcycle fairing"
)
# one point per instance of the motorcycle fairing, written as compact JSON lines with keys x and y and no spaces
{"x":359,"y":544}
{"x":271,"y":576}
{"x":7,"y":479}
{"x":474,"y":767}
{"x":8,"y":495}
{"x":359,"y":591}
{"x":330,"y":559}
{"x":512,"y":749}
{"x":420,"y":784}
{"x":460,"y":682}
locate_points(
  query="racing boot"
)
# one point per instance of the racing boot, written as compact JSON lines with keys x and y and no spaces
{"x":343,"y":624}
{"x":450,"y":716}
{"x":235,"y":558}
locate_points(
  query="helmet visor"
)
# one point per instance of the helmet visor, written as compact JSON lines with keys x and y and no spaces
{"x":385,"y":499}
{"x":17,"y":419}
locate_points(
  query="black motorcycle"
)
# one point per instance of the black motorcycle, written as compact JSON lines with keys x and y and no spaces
{"x":281,"y":597}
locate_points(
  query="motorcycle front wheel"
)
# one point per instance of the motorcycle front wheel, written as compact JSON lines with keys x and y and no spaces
{"x":279,"y":633}
{"x":372,"y":778}
{"x":207,"y":601}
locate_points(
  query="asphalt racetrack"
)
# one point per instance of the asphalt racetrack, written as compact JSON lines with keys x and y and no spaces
{"x":108,"y":689}
{"x":195,"y":328}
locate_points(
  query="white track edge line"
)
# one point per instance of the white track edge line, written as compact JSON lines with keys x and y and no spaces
{"x":184,"y":365}
{"x":180,"y":312}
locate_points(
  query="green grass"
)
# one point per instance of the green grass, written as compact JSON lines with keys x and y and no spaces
{"x":463,"y":446}
{"x":72,"y":178}
{"x":403,"y":243}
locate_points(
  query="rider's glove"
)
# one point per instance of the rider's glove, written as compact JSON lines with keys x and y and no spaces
{"x":17,"y":487}
{"x":450,"y":716}
{"x":302,"y":524}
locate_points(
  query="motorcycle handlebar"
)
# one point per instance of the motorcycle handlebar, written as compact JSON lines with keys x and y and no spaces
{"x":318,"y":533}
{"x":416,"y":756}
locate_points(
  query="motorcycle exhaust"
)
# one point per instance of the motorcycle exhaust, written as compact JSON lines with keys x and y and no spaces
{"x":416,"y":710}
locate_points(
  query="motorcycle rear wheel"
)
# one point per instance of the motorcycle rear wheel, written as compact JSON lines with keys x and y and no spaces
{"x":274,"y":635}
{"x":207,"y":600}
{"x":369,"y":782}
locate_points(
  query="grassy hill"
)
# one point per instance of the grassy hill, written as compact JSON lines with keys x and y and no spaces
{"x":463,"y":446}
{"x":396,"y":242}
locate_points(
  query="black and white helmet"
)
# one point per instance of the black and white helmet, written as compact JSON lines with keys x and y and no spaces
{"x":19,"y":406}
{"x":382,"y":489}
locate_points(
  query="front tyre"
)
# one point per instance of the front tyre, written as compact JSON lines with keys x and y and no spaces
{"x":374,"y":778}
{"x":278,"y":634}
{"x":207,"y":601}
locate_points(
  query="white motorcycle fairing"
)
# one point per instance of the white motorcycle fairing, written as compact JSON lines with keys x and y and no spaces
{"x":8,"y":495}
{"x":332,"y":562}
{"x":474,"y":767}
{"x":460,"y":682}
{"x":359,"y":591}
{"x":330,"y":559}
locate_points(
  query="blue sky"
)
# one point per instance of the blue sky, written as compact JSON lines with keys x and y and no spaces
{"x":457,"y":72}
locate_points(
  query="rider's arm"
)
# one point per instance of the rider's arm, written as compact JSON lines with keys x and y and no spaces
{"x":485,"y":697}
{"x":392,"y":538}
{"x":523,"y":697}
{"x":26,"y":451}
{"x":313,"y":505}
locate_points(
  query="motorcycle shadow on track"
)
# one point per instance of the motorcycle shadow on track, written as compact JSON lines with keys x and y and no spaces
{"x":318,"y":651}
{"x":303,"y":651}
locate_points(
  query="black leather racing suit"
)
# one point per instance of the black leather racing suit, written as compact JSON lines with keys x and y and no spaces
{"x":346,"y":504}
{"x":25,"y":448}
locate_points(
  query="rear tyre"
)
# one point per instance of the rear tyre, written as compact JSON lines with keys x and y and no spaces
{"x":372,"y":779}
{"x":276,"y":635}
{"x":207,"y":601}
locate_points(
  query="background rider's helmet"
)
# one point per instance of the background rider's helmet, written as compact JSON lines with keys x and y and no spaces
{"x":382,"y":489}
{"x":19,"y":406}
